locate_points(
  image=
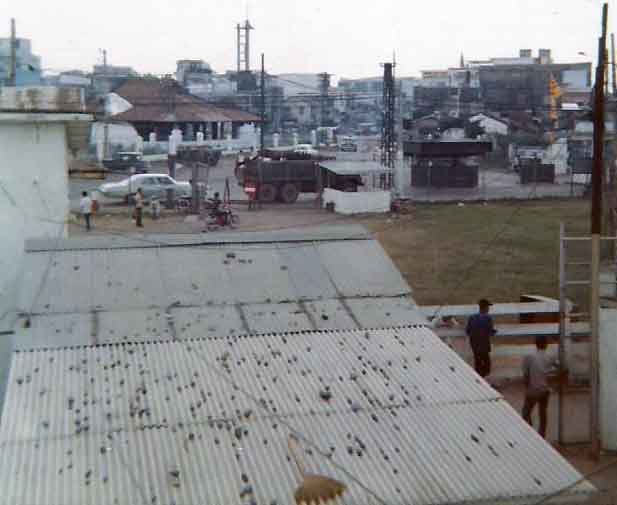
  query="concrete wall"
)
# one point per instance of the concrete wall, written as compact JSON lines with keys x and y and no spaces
{"x":357,"y":203}
{"x":608,"y":378}
{"x":33,"y":196}
{"x":557,"y":154}
{"x":118,"y":135}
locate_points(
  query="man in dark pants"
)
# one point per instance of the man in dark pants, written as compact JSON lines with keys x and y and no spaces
{"x":85,"y":207}
{"x":139,"y":207}
{"x":535,"y":370}
{"x":480,"y":329}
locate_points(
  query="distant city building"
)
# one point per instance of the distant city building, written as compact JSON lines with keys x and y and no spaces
{"x":199,"y":79}
{"x":28,"y":71}
{"x":506,"y":85}
{"x":71,"y":79}
{"x":105,"y":78}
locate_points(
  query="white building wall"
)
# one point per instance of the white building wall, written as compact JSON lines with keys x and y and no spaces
{"x":357,"y":202}
{"x":608,"y":379}
{"x":117,"y":134}
{"x":33,"y":196}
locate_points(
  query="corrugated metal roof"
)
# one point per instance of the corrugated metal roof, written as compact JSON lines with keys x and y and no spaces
{"x":408,"y":421}
{"x":99,"y":327}
{"x":123,"y":279}
{"x":289,"y":235}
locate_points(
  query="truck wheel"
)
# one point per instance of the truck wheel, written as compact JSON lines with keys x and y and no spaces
{"x":267,"y":193}
{"x":289,"y":193}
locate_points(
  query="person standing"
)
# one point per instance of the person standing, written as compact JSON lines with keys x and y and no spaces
{"x":536,"y":367}
{"x":85,"y":207}
{"x":139,"y":207}
{"x":480,"y":329}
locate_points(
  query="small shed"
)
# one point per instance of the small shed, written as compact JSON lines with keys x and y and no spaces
{"x":355,"y":187}
{"x":445,"y":163}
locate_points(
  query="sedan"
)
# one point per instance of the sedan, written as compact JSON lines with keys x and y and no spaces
{"x":153,"y":186}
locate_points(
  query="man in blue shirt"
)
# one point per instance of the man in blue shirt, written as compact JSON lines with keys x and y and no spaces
{"x":480,"y":329}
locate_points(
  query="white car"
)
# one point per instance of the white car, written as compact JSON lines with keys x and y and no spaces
{"x":306,"y":149}
{"x":152,"y":186}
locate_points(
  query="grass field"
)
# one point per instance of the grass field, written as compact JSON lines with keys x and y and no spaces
{"x":454,"y":254}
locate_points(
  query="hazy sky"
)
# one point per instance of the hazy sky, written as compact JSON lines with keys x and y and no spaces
{"x":344,"y":37}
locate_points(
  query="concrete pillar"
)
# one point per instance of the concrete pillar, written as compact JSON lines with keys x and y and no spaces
{"x":608,"y":378}
{"x":276,"y":139}
{"x":219,"y":126}
{"x":200,"y":138}
{"x":139,"y":144}
{"x":100,"y":148}
{"x":295,"y":139}
{"x":314,"y":138}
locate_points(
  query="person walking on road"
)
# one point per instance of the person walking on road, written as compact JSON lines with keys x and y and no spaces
{"x":85,"y":208}
{"x":139,"y":207}
{"x":535,"y":370}
{"x":480,"y":329}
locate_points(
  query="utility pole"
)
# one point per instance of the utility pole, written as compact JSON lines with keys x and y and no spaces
{"x":106,"y":122}
{"x":13,"y":56}
{"x":596,"y":230}
{"x":263,"y":104}
{"x":612,"y":63}
{"x":612,"y":172}
{"x":324,"y":89}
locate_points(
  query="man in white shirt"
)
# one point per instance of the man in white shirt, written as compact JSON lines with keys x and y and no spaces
{"x":85,"y":207}
{"x":535,"y":371}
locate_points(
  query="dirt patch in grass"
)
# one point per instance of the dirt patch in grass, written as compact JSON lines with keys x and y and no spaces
{"x":454,"y":254}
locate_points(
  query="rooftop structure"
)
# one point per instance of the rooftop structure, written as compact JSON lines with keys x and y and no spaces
{"x":393,"y":414}
{"x":178,"y":286}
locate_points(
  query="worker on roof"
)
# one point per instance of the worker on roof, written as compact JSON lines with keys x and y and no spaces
{"x":480,"y":328}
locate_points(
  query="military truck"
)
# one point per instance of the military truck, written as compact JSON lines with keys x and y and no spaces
{"x":278,"y":178}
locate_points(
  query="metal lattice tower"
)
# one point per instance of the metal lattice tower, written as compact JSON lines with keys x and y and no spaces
{"x":244,"y":46}
{"x":388,"y":137}
{"x":324,"y":90}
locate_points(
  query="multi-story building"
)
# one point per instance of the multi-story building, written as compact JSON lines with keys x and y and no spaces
{"x":505,"y":85}
{"x":28,"y":65}
{"x":199,"y":79}
{"x":105,"y":78}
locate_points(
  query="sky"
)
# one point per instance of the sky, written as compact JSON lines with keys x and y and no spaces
{"x":346,"y":38}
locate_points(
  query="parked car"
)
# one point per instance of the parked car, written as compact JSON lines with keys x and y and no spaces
{"x":152,"y":186}
{"x":125,"y":161}
{"x":306,"y":149}
{"x":348,"y":145}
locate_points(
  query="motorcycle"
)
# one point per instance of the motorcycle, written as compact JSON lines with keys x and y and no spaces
{"x":222,"y":218}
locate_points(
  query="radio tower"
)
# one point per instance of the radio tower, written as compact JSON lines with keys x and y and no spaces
{"x":388,"y":141}
{"x":244,"y":46}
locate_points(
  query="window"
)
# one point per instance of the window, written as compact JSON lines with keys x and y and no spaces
{"x":147,"y":181}
{"x":166,"y":181}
